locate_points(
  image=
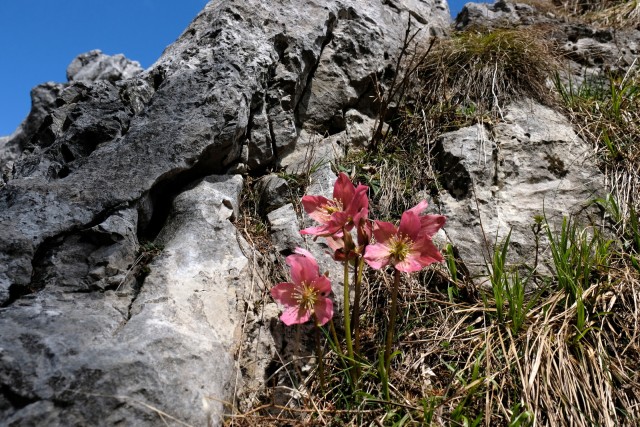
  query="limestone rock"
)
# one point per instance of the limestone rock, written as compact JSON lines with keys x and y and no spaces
{"x":312,"y":151}
{"x":597,"y":48}
{"x":498,"y":179}
{"x":499,"y":14}
{"x":124,"y":284}
{"x":43,"y":99}
{"x":591,"y":52}
{"x":285,"y":229}
{"x":274,"y":192}
{"x":95,"y":65}
{"x":91,"y":354}
{"x":359,"y":128}
{"x":205,"y":88}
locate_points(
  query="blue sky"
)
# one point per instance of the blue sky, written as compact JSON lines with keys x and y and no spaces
{"x":39,"y":38}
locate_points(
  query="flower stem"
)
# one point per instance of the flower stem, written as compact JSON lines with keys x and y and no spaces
{"x":347,"y":319}
{"x":334,"y":335}
{"x":319,"y":357}
{"x":359,"y":267}
{"x":392,"y":322}
{"x":341,"y":357}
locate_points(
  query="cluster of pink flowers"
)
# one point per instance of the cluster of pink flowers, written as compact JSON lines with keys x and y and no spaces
{"x":407,"y":247}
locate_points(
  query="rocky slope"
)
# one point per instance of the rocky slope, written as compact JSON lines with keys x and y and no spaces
{"x":118,"y":156}
{"x":102,"y":327}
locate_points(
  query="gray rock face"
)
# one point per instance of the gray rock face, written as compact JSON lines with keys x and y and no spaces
{"x":87,"y":67}
{"x":274,"y":192}
{"x":43,"y":99}
{"x":200,"y":98}
{"x":125,"y":287}
{"x":593,"y":49}
{"x":95,"y":65}
{"x":98,"y":332}
{"x":498,"y":179}
{"x":167,"y":340}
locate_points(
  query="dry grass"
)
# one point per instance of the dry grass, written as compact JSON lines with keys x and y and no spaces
{"x":449,"y":84}
{"x":585,"y":7}
{"x":622,"y":15}
{"x":609,"y":118}
{"x":619,"y":14}
{"x":458,"y":364}
{"x":485,"y":69}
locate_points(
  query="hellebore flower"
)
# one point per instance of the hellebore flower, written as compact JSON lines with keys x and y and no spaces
{"x":408,"y":247}
{"x":348,"y":208}
{"x":307,"y":295}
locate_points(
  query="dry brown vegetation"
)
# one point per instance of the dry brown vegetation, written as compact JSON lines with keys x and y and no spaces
{"x":458,"y":364}
{"x":620,"y":14}
{"x":484,"y":69}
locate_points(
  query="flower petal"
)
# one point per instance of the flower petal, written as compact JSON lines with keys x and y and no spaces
{"x":296,"y":269}
{"x":420,"y":207}
{"x":339,"y":220}
{"x":430,"y":224}
{"x":361,"y":216}
{"x":422,"y":253}
{"x":320,"y":230}
{"x":427,"y":252}
{"x":334,"y":242}
{"x":409,"y":225}
{"x":323,"y":310}
{"x":377,"y":256}
{"x":409,"y":265}
{"x":343,"y":190}
{"x":359,"y":201}
{"x":383,"y":231}
{"x":323,"y":285}
{"x":283,"y":293}
{"x":304,"y":252}
{"x":316,"y":207}
{"x":293,"y":315}
{"x":303,"y":269}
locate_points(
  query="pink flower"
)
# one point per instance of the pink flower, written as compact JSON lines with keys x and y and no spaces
{"x":348,"y":208}
{"x":408,"y":247}
{"x":429,"y":224}
{"x":307,"y":295}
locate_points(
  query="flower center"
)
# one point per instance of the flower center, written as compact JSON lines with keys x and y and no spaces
{"x":306,"y":296}
{"x":333,"y":206}
{"x":400,"y":247}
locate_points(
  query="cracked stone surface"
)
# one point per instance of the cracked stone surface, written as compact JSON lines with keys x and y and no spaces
{"x":167,"y":340}
{"x":499,"y":178}
{"x":95,"y":328}
{"x":190,"y":113}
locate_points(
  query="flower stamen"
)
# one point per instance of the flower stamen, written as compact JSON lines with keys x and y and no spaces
{"x":400,"y":247}
{"x":306,"y":296}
